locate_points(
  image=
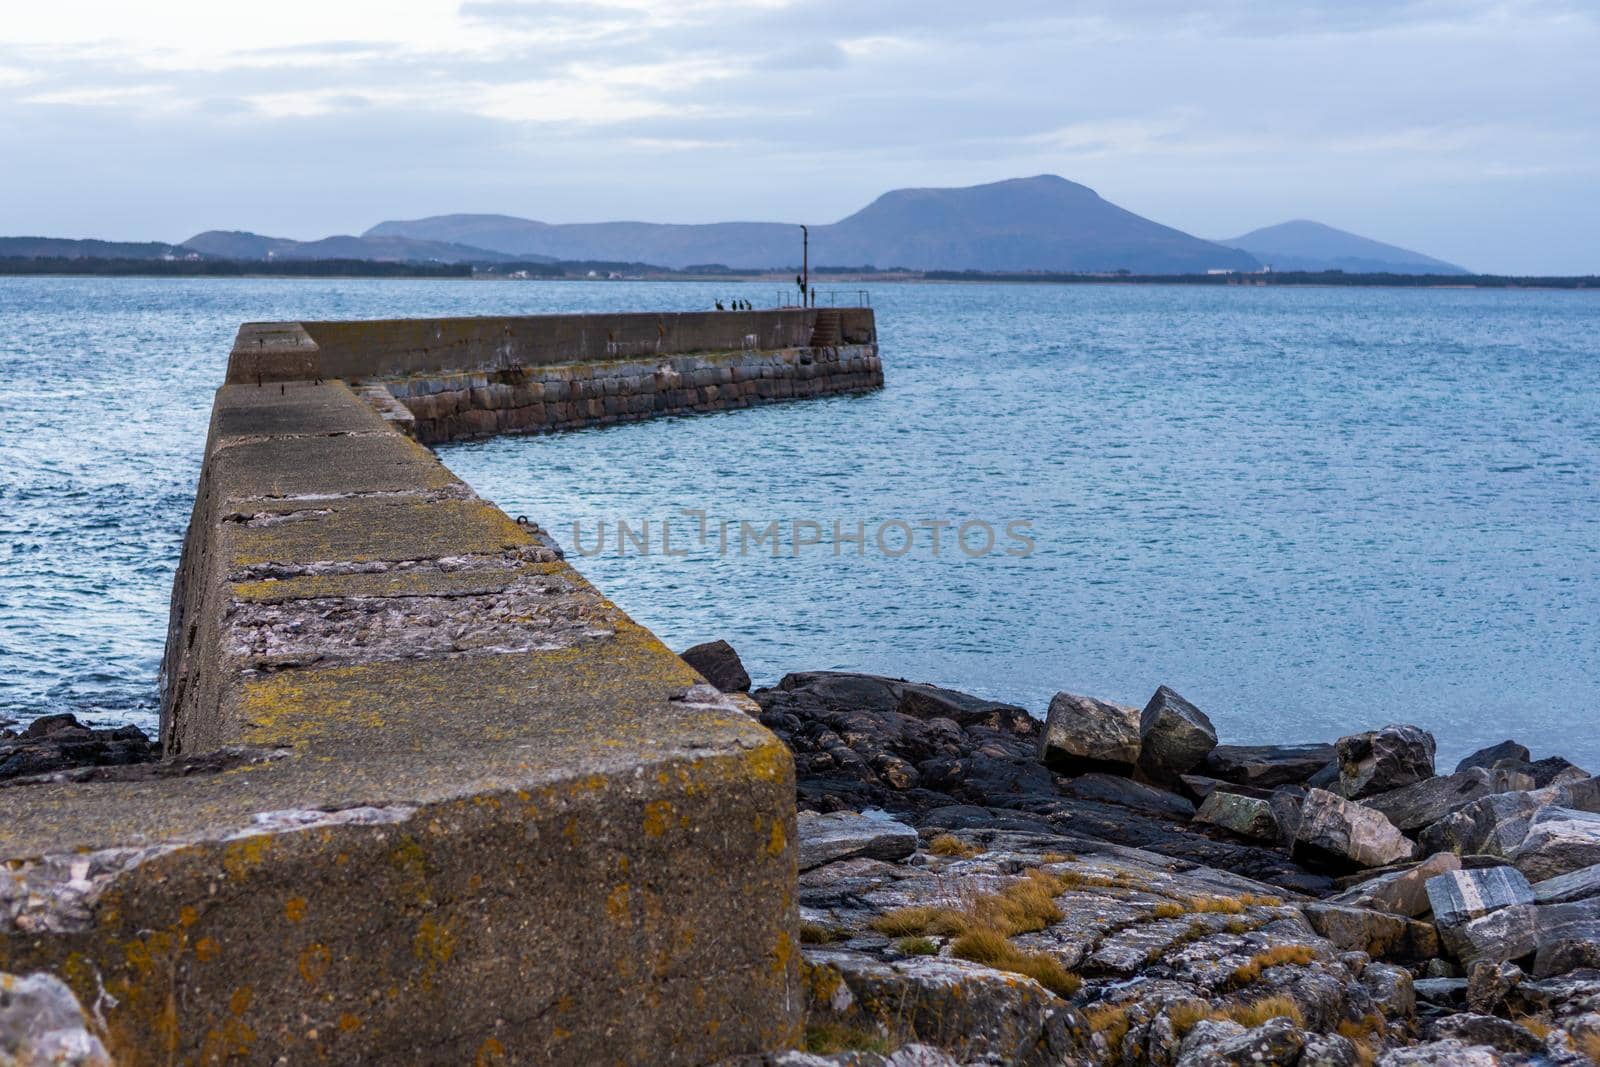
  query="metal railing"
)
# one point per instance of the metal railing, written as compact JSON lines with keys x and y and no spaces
{"x":827,"y":298}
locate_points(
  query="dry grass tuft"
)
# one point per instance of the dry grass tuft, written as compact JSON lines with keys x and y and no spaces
{"x":923,"y":919}
{"x":1022,"y":907}
{"x":1168,"y":911}
{"x":1216,"y":905}
{"x":1110,"y":1021}
{"x":1057,"y":857}
{"x":1253,"y":1013}
{"x":1362,"y":1034}
{"x":817,"y":934}
{"x":1185,"y":1015}
{"x":983,"y":927}
{"x":951,"y":845}
{"x":917,"y":946}
{"x":993,"y":949}
{"x":1078,"y":880}
{"x":1249,"y":971}
{"x":1366,"y":1035}
{"x":1588,"y":1044}
{"x":1233,"y":905}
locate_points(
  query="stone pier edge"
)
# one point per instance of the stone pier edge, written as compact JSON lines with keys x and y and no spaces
{"x":430,"y":797}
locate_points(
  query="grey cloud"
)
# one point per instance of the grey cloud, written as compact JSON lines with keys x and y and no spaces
{"x":1424,"y":119}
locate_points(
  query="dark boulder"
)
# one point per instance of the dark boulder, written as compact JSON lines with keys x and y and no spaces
{"x":1266,"y":766}
{"x":1492,"y":825}
{"x":1488,"y":757}
{"x":1554,"y":770}
{"x":1381,"y":760}
{"x":1417,"y":805}
{"x":1129,"y":794}
{"x":1568,"y":937}
{"x":1471,"y":1029}
{"x":1174,"y":736}
{"x":718,"y":664}
{"x":976,"y":766}
{"x":1083,"y":734}
{"x":1287,"y":803}
{"x":58,"y":743}
{"x":1489,"y":982}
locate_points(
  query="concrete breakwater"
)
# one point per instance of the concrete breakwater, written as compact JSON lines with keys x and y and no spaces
{"x":479,"y":377}
{"x":427,"y":796}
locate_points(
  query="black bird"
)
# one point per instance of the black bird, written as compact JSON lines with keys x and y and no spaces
{"x":720,"y":307}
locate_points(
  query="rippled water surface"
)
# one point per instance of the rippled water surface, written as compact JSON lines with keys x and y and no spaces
{"x":1310,"y":511}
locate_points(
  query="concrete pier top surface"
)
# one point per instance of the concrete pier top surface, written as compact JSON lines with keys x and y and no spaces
{"x":428,"y":796}
{"x":360,"y":350}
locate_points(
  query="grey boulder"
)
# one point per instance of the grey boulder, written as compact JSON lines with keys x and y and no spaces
{"x":1174,"y":736}
{"x":1381,"y":760}
{"x":1559,"y":841}
{"x":1274,"y":1041}
{"x":1246,"y":816}
{"x":1449,"y":1052}
{"x":1376,"y":933}
{"x":1495,"y":825}
{"x":1329,"y":1050}
{"x":41,"y":1022}
{"x":1566,"y":888}
{"x":1507,"y":934}
{"x":843,"y":835}
{"x":1568,"y":937}
{"x":1084,"y":734}
{"x":1417,"y":805}
{"x":1335,"y":830}
{"x":1473,"y":1029}
{"x":1402,"y":892}
{"x":1459,"y":896}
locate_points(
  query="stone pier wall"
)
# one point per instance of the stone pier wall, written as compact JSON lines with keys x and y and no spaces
{"x":429,"y":797}
{"x":572,"y":395}
{"x":463,"y":378}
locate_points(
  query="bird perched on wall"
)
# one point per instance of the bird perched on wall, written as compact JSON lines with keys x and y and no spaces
{"x":719,"y":306}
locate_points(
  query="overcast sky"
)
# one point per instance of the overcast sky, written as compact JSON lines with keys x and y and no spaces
{"x":1467,"y":130}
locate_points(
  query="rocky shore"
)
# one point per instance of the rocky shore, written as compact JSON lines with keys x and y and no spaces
{"x":1112,"y":886}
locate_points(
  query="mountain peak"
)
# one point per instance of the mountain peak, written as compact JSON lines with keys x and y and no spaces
{"x":1039,"y":223}
{"x":1305,"y":244}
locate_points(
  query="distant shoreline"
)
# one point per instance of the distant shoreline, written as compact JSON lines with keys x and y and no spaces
{"x":591,"y":271}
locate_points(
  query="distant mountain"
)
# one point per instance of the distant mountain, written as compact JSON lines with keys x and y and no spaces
{"x":238,"y":244}
{"x":1306,"y":245}
{"x":1044,"y":223}
{"x":66,"y":248}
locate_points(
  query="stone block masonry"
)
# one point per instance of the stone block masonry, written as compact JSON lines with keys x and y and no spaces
{"x":428,"y":797}
{"x":464,"y":378}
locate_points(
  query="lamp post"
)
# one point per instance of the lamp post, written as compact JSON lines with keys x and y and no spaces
{"x":805,"y":263}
